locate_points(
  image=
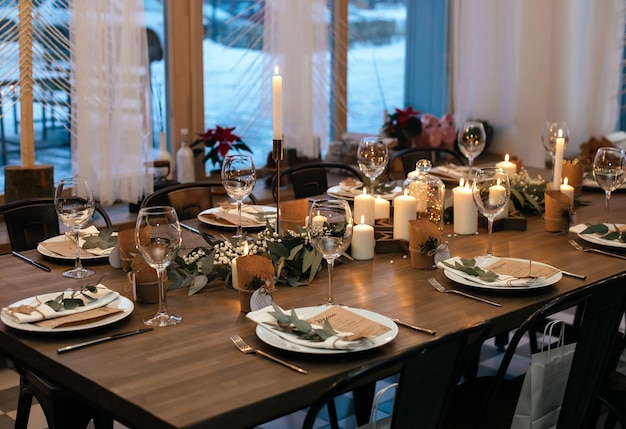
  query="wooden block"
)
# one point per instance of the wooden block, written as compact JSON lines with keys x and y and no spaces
{"x":385,"y":243}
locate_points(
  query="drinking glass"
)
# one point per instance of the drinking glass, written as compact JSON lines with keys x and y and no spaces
{"x":552,"y":131}
{"x":372,"y":155}
{"x":491,"y":191}
{"x":472,"y":139}
{"x":608,"y":170}
{"x":158,"y":237}
{"x":330,"y":230}
{"x":74,"y":204}
{"x":238,"y":178}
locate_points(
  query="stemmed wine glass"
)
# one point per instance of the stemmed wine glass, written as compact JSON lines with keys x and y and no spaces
{"x":238,"y":178}
{"x":608,"y":169}
{"x":491,"y":191}
{"x":472,"y":139}
{"x":74,"y":204}
{"x":330,"y":230}
{"x":372,"y":155}
{"x":551,"y":132}
{"x":158,"y":237}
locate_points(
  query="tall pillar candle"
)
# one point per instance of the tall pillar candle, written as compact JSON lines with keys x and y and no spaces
{"x":558,"y":162}
{"x":404,"y":209}
{"x":508,"y":166}
{"x":363,"y":241}
{"x":277,"y":105}
{"x":381,"y":208}
{"x":465,"y":212}
{"x":365,"y":206}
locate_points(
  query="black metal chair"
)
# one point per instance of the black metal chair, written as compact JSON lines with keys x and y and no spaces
{"x":189,"y":199}
{"x":29,"y":222}
{"x":311,"y":179}
{"x":33,"y":220}
{"x":428,"y":374}
{"x":409,"y":157}
{"x":490,"y":402}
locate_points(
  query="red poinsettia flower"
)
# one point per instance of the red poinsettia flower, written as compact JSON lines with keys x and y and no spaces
{"x":404,"y":115}
{"x":220,"y":141}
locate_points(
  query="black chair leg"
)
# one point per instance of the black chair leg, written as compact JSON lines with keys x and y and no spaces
{"x":24,"y":404}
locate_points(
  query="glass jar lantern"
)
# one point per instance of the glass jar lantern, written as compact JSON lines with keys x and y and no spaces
{"x":428,"y":190}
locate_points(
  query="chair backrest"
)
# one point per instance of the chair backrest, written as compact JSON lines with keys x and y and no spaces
{"x":189,"y":199}
{"x":33,"y":220}
{"x":407,"y":158}
{"x":311,"y":179}
{"x":428,"y":374}
{"x":603,"y":305}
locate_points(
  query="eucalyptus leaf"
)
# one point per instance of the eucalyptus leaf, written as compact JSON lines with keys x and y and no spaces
{"x":468,"y":266}
{"x":599,"y":228}
{"x":198,"y":283}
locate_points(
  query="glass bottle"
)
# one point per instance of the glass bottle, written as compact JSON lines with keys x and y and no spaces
{"x":429,"y":191}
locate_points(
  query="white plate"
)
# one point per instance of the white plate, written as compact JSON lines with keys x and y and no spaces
{"x":596,"y":239}
{"x":483,"y":262}
{"x":268,"y":337}
{"x":213,"y":221}
{"x":590,"y":182}
{"x":337,"y":192}
{"x":47,"y":253}
{"x":121,"y":302}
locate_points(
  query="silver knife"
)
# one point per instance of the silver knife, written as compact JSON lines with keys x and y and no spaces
{"x":102,"y":340}
{"x":190,"y":228}
{"x":417,"y":328}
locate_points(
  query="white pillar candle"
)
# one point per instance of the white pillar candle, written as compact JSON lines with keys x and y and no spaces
{"x":508,"y":166}
{"x":567,"y":189}
{"x":558,"y":161}
{"x":496,"y":193}
{"x":381,"y":208}
{"x":404,"y":209}
{"x":277,"y":104}
{"x":364,"y":206}
{"x":319,"y":220}
{"x":465,"y":212}
{"x":363,"y":241}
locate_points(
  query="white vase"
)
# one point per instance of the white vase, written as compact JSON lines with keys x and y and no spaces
{"x":184,"y":160}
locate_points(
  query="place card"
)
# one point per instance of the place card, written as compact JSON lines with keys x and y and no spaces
{"x":344,"y":320}
{"x":521,"y":268}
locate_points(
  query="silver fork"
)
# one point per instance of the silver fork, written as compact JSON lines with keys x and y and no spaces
{"x":577,"y":246}
{"x":433,"y":281}
{"x":241,"y":345}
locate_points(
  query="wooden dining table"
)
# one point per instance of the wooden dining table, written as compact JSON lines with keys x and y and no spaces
{"x":191,"y":375}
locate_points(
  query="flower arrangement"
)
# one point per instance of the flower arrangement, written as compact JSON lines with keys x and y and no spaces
{"x":527,"y":194}
{"x":404,"y":125}
{"x":219,"y":141}
{"x":295,"y":260}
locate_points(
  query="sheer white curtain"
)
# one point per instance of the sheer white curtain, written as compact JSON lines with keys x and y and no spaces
{"x":519,"y":63}
{"x":111,"y":98}
{"x":296,"y":40}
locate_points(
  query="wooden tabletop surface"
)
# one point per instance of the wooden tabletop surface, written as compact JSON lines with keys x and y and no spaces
{"x":191,"y":375}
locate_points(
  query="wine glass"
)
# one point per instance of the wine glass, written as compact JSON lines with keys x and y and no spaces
{"x":491,"y":191}
{"x":552,"y":131}
{"x":371,"y":156}
{"x":158,"y":237}
{"x":330,"y":230}
{"x":608,"y":170}
{"x":74,"y":204}
{"x":472,"y":139}
{"x":238,"y":178}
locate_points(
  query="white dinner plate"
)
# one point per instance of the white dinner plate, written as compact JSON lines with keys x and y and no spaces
{"x":268,"y":337}
{"x":343,"y":194}
{"x":483,"y":262}
{"x":121,"y":303}
{"x":590,"y":182}
{"x":208,"y":217}
{"x":89,"y":257}
{"x":595,"y":238}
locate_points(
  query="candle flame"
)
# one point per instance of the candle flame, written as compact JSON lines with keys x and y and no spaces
{"x":364,"y":190}
{"x":406,"y":192}
{"x":565,"y":181}
{"x":498,"y":182}
{"x":506,"y":158}
{"x":245,"y":248}
{"x":467,"y":185}
{"x":276,"y":70}
{"x":461,"y":182}
{"x":560,"y":132}
{"x":362,"y":219}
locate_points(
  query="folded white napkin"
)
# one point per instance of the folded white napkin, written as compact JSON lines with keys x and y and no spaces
{"x":263,"y":318}
{"x":501,"y":281}
{"x":37,"y":310}
{"x":450,"y":171}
